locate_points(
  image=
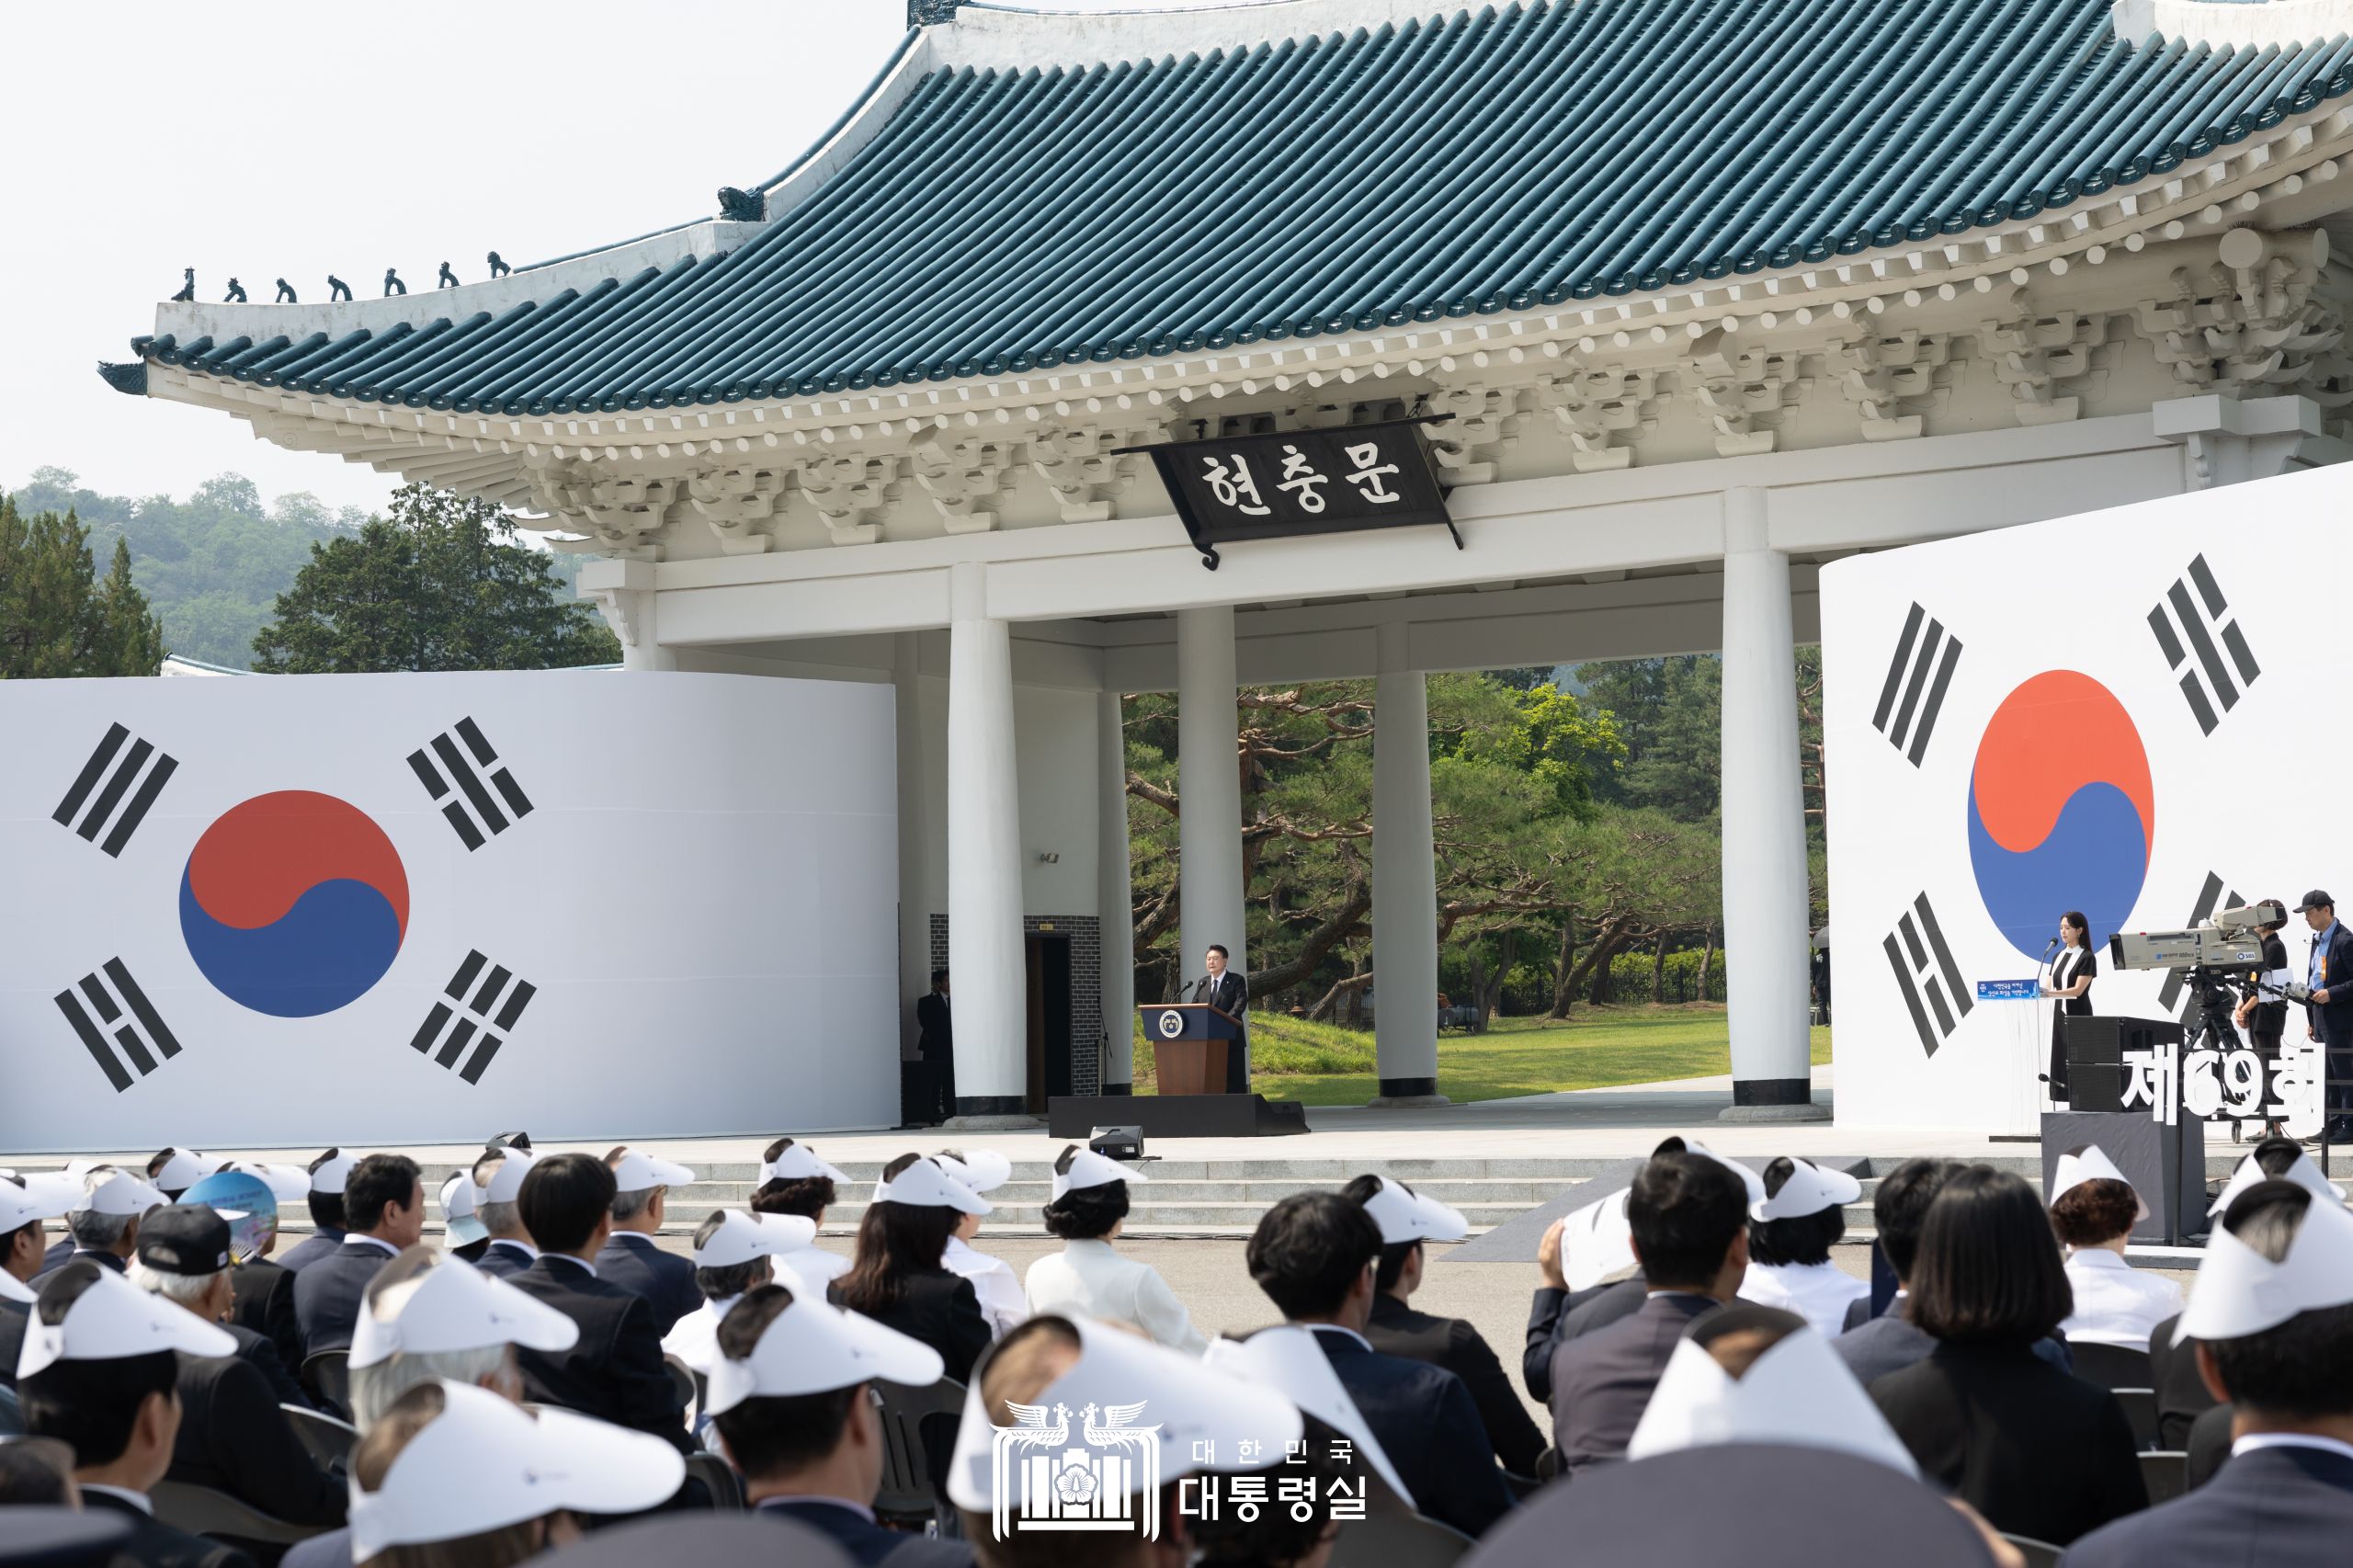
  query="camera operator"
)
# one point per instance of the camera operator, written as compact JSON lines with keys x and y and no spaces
{"x":2263,"y":1015}
{"x":2329,"y":1013}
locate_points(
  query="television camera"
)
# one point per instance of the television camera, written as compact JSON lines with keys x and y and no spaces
{"x":2231,"y":939}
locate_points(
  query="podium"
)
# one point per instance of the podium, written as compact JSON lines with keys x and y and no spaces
{"x":1189,"y":1045}
{"x":1190,"y":1042}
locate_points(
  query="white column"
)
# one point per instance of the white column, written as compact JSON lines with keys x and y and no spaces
{"x":1208,"y":788}
{"x":914,"y":915}
{"x":1113,"y":900}
{"x":1765,"y":907}
{"x":987,"y":978}
{"x":1404,"y":880}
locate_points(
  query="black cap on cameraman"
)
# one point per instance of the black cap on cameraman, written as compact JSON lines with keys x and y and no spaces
{"x":2316,"y":900}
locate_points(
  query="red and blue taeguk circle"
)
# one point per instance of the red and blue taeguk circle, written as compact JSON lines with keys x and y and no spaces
{"x":293,"y":903}
{"x":2061,"y":814}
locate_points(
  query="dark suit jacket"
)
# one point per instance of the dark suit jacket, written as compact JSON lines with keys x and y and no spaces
{"x":1602,"y":1380}
{"x":1557,"y":1316}
{"x":934,"y":1028}
{"x":59,"y":1250}
{"x":154,"y":1545}
{"x":1423,"y":1420}
{"x":1398,"y":1330}
{"x":264,"y":1302}
{"x":2039,"y":1452}
{"x":2334,"y":1021}
{"x":615,"y":1373}
{"x":2267,"y":1508}
{"x":941,"y":1309}
{"x":1882,"y":1345}
{"x":261,"y":1355}
{"x":1859,"y":1312}
{"x":234,"y":1438}
{"x":2181,"y":1393}
{"x":503,"y":1260}
{"x":327,"y":1294}
{"x":2207,"y":1444}
{"x":665,"y":1279}
{"x":332,"y":1550}
{"x":302,"y":1254}
{"x":870,"y":1545}
{"x":14,"y":1315}
{"x":103,"y":1259}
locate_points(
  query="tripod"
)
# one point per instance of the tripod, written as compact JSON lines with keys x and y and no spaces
{"x":2213,"y":1025}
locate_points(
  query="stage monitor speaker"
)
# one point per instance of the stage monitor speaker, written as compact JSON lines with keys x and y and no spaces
{"x":2165,"y":1165}
{"x":1117,"y":1142}
{"x":2096,"y":1087}
{"x":2096,"y":1049}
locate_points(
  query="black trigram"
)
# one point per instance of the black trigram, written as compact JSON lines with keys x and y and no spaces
{"x":103,"y":809}
{"x":2173,"y":997}
{"x":485,"y":816}
{"x":471,"y":1009}
{"x":1927,"y":975}
{"x":2176,"y":618}
{"x":138,"y":1030}
{"x":1929,"y":659}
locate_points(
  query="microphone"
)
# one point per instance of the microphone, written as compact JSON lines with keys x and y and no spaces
{"x":2051,"y":944}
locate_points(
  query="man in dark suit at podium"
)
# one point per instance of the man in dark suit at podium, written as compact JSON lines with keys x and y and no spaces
{"x":1229,"y":993}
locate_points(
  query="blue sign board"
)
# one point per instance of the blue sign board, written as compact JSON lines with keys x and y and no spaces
{"x":2009,"y":990}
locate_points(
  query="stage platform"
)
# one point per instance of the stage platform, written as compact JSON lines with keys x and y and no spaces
{"x":1509,"y":1165}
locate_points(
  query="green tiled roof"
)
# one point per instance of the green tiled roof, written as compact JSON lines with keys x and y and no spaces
{"x":1473,"y":161}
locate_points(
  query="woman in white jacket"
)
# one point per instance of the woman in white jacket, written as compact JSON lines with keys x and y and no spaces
{"x":1087,"y":1277}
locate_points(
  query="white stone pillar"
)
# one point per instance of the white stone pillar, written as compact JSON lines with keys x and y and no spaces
{"x":988,"y":980}
{"x":1766,"y":906}
{"x":915,"y":913}
{"x":1404,"y":880}
{"x":1113,"y":902}
{"x":1208,"y":788}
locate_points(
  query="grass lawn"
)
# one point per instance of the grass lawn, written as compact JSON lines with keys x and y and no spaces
{"x":1324,"y":1064}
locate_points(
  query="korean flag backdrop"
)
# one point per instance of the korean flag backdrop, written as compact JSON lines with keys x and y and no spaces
{"x":311,"y":910}
{"x":2114,"y":714}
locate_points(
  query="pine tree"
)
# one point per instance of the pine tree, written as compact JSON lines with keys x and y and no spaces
{"x":56,"y":618}
{"x":438,"y":585}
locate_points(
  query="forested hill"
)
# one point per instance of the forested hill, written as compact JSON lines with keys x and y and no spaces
{"x":212,"y":565}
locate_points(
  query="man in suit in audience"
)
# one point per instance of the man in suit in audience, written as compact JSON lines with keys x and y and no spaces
{"x":632,"y":1259}
{"x":329,"y":1171}
{"x":1316,"y":1256}
{"x":233,"y":1435}
{"x":104,"y":1223}
{"x":1689,"y":1214}
{"x":384,"y":1201}
{"x":2277,"y":1341}
{"x":26,"y":1207}
{"x":498,"y":1177}
{"x":615,"y":1373}
{"x":1874,"y":1347}
{"x":795,"y":1418}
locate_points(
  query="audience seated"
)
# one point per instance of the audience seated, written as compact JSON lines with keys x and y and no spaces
{"x":734,"y":1253}
{"x":1763,"y":1375}
{"x":614,"y":1371}
{"x":429,"y":1318}
{"x":1088,"y":1276}
{"x":1288,"y":1360}
{"x":1790,"y":1233}
{"x":100,"y":1373}
{"x":1687,"y":1214}
{"x":328,"y":1173}
{"x":631,"y":1257}
{"x":104,"y":1222}
{"x":26,"y":1204}
{"x":2094,"y":1209}
{"x":994,"y":1282}
{"x":2038,"y":1452}
{"x":900,"y":1279}
{"x":793,"y":1399}
{"x":2271,"y":1316}
{"x":174,"y":1171}
{"x":1875,"y":1346}
{"x":261,"y":1293}
{"x":467,"y":1236}
{"x":1407,"y":1220}
{"x":454,"y":1475}
{"x":233,"y":1435}
{"x":1315,"y":1256}
{"x":498,"y":1180}
{"x":793,"y":1180}
{"x":383,"y":1203}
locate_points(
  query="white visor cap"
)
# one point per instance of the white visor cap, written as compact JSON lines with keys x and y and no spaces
{"x":333,"y":1171}
{"x":1809,"y":1190}
{"x":741,"y":1237}
{"x":1799,"y":1393}
{"x":1088,"y":1168}
{"x":637,"y":1171}
{"x":813,"y":1347}
{"x":979,"y":1169}
{"x":484,"y":1463}
{"x":799,"y":1163}
{"x":924,"y":1184}
{"x":2238,"y":1291}
{"x":107,"y":1191}
{"x":2089,"y":1164}
{"x":1288,"y":1360}
{"x":455,"y":1306}
{"x":185,"y":1169}
{"x":507,"y":1182}
{"x":288,"y":1184}
{"x":113,"y":1319}
{"x":1405,"y":1216}
{"x":2303,"y":1173}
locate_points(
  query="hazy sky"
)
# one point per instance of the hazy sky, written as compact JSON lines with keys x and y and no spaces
{"x":267,"y":139}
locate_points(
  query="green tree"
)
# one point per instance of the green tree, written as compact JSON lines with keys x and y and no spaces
{"x":58,"y":618}
{"x":438,"y":585}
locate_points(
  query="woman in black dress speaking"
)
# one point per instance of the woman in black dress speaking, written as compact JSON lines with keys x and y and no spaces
{"x":2071,"y":984}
